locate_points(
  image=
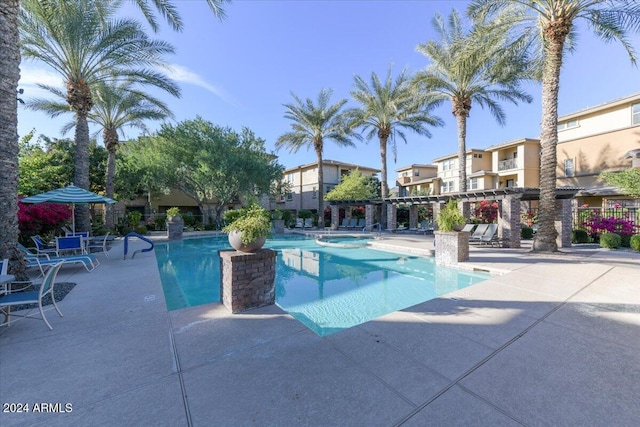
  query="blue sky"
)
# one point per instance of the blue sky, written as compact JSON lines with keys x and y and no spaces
{"x":240,"y":71}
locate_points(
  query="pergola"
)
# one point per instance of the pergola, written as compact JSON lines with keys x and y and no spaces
{"x":509,"y":204}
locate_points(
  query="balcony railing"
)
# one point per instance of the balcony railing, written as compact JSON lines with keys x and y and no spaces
{"x":507,"y":164}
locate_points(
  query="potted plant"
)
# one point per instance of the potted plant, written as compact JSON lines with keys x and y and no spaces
{"x":175,"y":224}
{"x":450,"y":218}
{"x":250,"y":230}
{"x":451,"y":246}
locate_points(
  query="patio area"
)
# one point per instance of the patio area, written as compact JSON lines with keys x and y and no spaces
{"x":551,"y":341}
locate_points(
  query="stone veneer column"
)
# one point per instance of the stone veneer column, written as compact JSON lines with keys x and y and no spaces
{"x":247,"y":280}
{"x":392,"y":216}
{"x":413,"y":216}
{"x":436,"y":213}
{"x":563,"y":222}
{"x":509,"y":227}
{"x":451,"y":247}
{"x":369,"y":211}
{"x":335,"y":217}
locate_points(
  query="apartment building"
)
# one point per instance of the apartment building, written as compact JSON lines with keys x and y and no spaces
{"x":595,"y":140}
{"x":302,"y":183}
{"x":417,"y":179}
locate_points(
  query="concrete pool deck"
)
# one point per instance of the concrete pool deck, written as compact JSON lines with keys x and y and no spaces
{"x":555,"y":341}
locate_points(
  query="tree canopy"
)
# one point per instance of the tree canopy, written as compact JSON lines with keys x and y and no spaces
{"x":211,"y":164}
{"x":355,"y":186}
{"x":628,"y":181}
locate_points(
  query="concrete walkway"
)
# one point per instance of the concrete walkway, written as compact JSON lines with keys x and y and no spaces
{"x":555,"y":341}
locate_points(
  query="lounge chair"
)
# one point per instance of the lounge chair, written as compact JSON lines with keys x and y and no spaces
{"x":490,"y":236}
{"x":308,"y":223}
{"x":478,"y":232}
{"x":426,"y":227}
{"x":361,"y":223}
{"x":74,"y":244}
{"x":299,"y":223}
{"x":468,"y":228}
{"x":33,"y":260}
{"x":99,"y":243}
{"x":352,"y":223}
{"x":345,"y":223}
{"x":33,"y":297}
{"x":41,"y":247}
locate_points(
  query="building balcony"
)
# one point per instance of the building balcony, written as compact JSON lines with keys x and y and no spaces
{"x":504,"y":165}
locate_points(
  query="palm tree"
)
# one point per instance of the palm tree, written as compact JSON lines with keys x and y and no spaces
{"x":552,"y":24}
{"x":9,"y":76}
{"x":170,"y":12}
{"x":79,"y":41}
{"x":312,"y":124}
{"x":116,"y":107}
{"x":388,"y":107}
{"x":474,"y":66}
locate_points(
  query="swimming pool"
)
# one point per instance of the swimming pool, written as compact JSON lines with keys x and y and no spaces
{"x":327,"y":289}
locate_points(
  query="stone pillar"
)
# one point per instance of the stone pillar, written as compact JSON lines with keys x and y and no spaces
{"x":247,"y":280}
{"x":451,"y":247}
{"x":368,"y":216}
{"x":174,"y":228}
{"x":392,"y":216}
{"x":413,"y":216}
{"x":465,"y":209}
{"x":436,"y":214}
{"x":335,"y":217}
{"x":563,"y":220}
{"x":509,"y":227}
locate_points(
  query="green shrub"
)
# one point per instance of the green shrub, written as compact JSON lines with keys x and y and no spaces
{"x":210,"y":227}
{"x":610,"y":240}
{"x":254,"y":222}
{"x":625,"y":240}
{"x":141,"y":229}
{"x":450,"y":217}
{"x":287,"y":216}
{"x":189,"y":220}
{"x":134,"y":218}
{"x":304,"y":214}
{"x":634,"y":242}
{"x":526,"y":233}
{"x":579,"y":236}
{"x":159,"y":222}
{"x":174,"y":211}
{"x":231,"y":215}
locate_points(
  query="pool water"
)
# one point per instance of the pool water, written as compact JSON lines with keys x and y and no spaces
{"x":327,"y":289}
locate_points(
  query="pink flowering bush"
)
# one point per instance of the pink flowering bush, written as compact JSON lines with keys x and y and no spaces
{"x":486,"y":211}
{"x":42,"y":219}
{"x":596,"y":225}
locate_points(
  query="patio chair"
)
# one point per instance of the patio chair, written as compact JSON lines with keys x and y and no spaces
{"x":352,"y":223}
{"x":426,"y":227}
{"x":468,"y":228}
{"x":478,"y":232}
{"x":99,"y":242}
{"x":33,"y":260}
{"x":345,"y":223}
{"x":490,"y":236}
{"x":308,"y":223}
{"x":299,"y":223}
{"x":41,"y":247}
{"x":33,"y":297}
{"x":361,"y":223}
{"x":84,"y":234}
{"x":74,"y":244}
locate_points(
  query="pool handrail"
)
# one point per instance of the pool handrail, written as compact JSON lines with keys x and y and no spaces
{"x":126,"y":244}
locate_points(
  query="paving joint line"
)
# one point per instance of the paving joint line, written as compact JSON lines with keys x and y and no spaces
{"x":498,"y":351}
{"x":176,"y":359}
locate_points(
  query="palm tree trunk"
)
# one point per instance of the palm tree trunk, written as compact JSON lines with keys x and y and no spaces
{"x":462,"y":152}
{"x":81,"y":171}
{"x":318,"y":148}
{"x":110,"y":137}
{"x":545,"y":239}
{"x":384,"y":189}
{"x":9,"y":76}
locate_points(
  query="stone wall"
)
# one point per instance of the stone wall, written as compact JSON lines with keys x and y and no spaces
{"x":451,"y":247}
{"x":247,"y":280}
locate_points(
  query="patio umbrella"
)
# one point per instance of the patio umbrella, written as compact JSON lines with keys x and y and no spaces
{"x":68,"y":195}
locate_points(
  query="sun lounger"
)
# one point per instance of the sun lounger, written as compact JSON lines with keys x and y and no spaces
{"x":361,"y":223}
{"x":478,"y":232}
{"x":468,"y":228}
{"x":88,"y":261}
{"x":345,"y":223}
{"x":308,"y":223}
{"x":352,"y":223}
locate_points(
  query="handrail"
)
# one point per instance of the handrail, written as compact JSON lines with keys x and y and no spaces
{"x":126,"y":244}
{"x":373,"y":226}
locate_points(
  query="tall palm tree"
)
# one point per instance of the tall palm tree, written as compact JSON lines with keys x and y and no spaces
{"x":9,"y":76}
{"x":81,"y":42}
{"x":312,"y":124}
{"x":474,"y":66}
{"x":115,"y":107}
{"x":552,"y":24}
{"x":386,"y":108}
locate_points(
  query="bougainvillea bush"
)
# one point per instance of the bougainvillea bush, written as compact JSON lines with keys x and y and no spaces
{"x":486,"y":211}
{"x":42,"y":219}
{"x":596,"y":225}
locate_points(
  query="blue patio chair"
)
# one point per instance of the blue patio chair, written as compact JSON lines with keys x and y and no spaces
{"x":41,"y":247}
{"x":33,"y":260}
{"x":361,"y":223}
{"x":33,"y":297}
{"x":308,"y":223}
{"x":352,"y":223}
{"x":74,"y":244}
{"x":345,"y":223}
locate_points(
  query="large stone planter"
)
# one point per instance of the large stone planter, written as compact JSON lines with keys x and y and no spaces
{"x":452,"y":247}
{"x":235,"y":240}
{"x":278,"y":226}
{"x":175,"y":226}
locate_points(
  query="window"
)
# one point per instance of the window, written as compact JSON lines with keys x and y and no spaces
{"x":477,"y":156}
{"x":290,"y":178}
{"x":405,"y":174}
{"x":447,"y":187}
{"x":448,"y":165}
{"x":416,"y":172}
{"x":511,"y":183}
{"x":314,"y":193}
{"x":569,"y":168}
{"x":635,"y":114}
{"x":568,"y":124}
{"x":472,"y":184}
{"x":289,"y":196}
